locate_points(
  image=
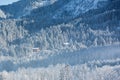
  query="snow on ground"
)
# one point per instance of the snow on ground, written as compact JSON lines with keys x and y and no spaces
{"x":64,"y":72}
{"x":97,"y":63}
{"x":2,"y":14}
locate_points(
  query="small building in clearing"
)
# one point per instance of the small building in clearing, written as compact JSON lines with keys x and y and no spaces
{"x":36,"y":50}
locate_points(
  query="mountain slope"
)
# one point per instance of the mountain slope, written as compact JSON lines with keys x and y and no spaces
{"x":40,"y":28}
{"x":24,"y":7}
{"x":62,"y":11}
{"x":74,"y":37}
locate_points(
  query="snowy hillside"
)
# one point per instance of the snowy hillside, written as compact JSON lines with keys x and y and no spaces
{"x":2,"y":14}
{"x":24,"y":7}
{"x":60,"y":40}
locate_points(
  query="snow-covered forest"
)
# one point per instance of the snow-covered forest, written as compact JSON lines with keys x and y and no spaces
{"x":60,"y":40}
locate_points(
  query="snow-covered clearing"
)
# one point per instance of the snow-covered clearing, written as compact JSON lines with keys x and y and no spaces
{"x":97,"y":63}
